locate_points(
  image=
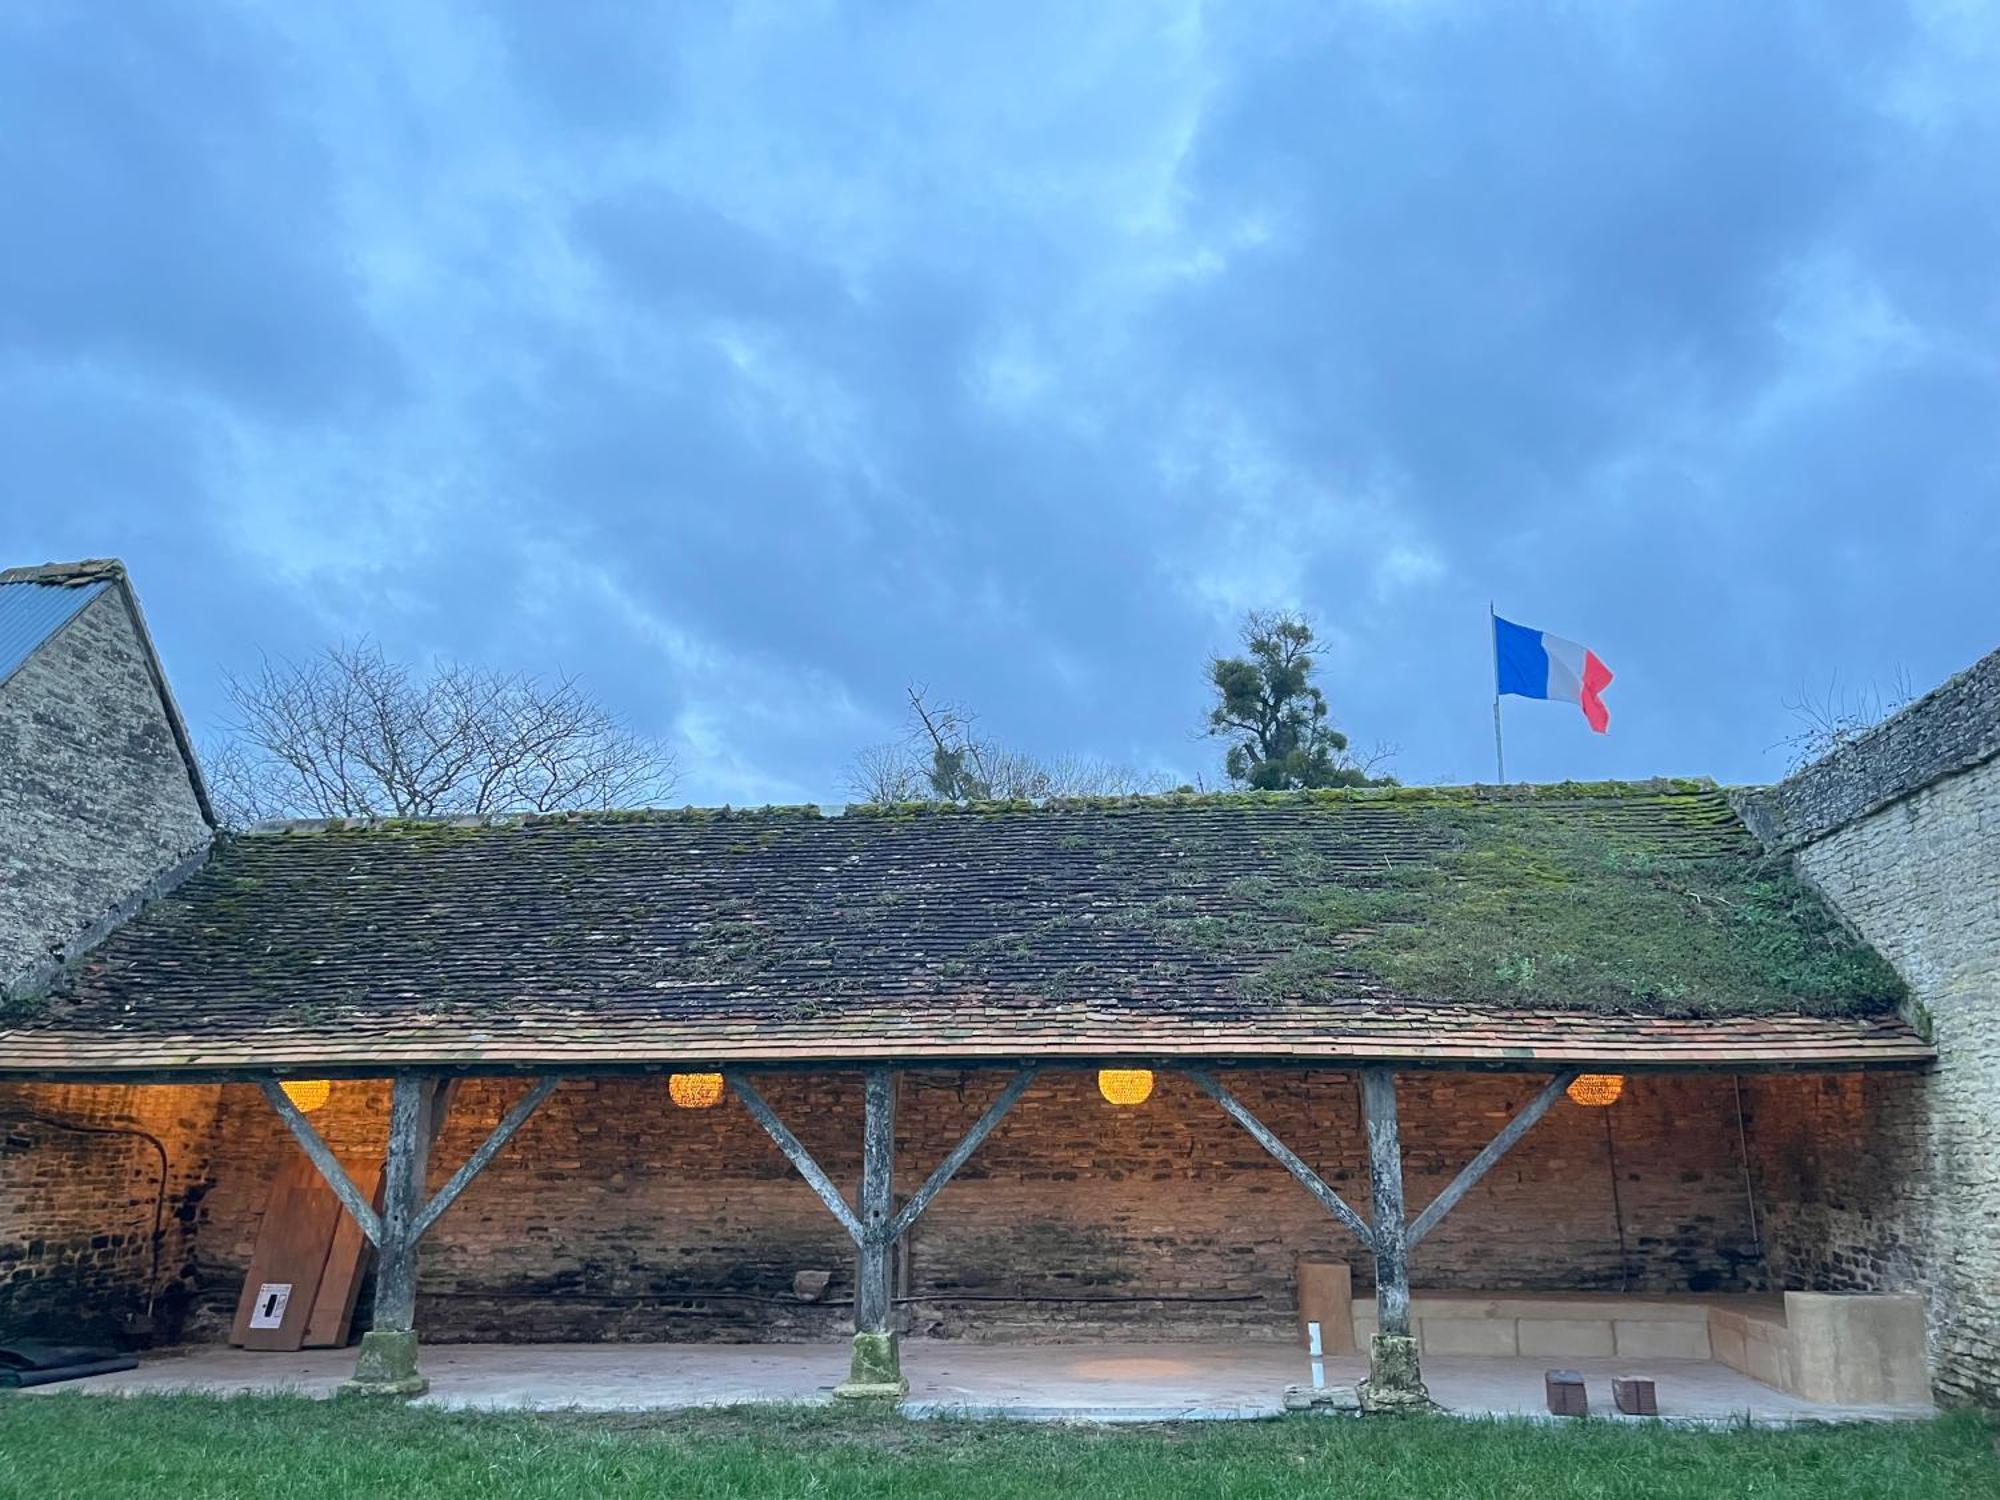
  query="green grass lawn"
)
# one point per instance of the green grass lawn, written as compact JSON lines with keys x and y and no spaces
{"x":72,"y":1447}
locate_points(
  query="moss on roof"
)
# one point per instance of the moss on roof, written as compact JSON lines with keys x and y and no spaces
{"x":1516,"y":910}
{"x":1647,"y":898}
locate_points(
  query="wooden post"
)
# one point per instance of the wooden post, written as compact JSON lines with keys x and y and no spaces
{"x":387,"y":1364}
{"x":1385,"y":1176}
{"x":877,"y":1369}
{"x":872,"y":1288}
{"x":1395,"y":1381}
{"x":402,"y":1200}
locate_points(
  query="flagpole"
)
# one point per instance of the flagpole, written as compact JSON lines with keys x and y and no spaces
{"x":1493,"y":644}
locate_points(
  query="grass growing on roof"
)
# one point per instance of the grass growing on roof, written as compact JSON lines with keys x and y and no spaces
{"x":1504,"y":904}
{"x":68,"y":1447}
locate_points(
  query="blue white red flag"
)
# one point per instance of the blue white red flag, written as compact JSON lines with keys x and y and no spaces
{"x":1534,"y":664}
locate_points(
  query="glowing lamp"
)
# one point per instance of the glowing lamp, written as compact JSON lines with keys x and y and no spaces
{"x":695,"y":1090}
{"x":307,"y":1094}
{"x":1124,"y":1086}
{"x":1596,"y":1088}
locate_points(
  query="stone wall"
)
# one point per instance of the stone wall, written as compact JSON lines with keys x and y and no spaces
{"x":613,"y":1215}
{"x":96,"y":803}
{"x":1895,"y":1184}
{"x":95,"y":796}
{"x":1834,"y":1160}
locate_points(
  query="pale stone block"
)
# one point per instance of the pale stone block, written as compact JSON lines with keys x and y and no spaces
{"x":1566,"y":1338}
{"x":1662,"y":1340}
{"x":1469,"y":1336}
{"x":1726,"y":1339}
{"x":1765,"y":1361}
{"x":1857,"y":1350}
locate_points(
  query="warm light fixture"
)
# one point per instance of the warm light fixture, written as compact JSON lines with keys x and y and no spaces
{"x":1596,"y":1088}
{"x":1125,"y":1085}
{"x":695,"y":1090}
{"x":307,"y":1094}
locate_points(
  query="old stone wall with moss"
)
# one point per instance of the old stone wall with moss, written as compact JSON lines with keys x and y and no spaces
{"x":95,"y":798}
{"x":614,"y":1215}
{"x":1897,"y":1185}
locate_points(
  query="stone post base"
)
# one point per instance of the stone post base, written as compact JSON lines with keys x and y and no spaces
{"x":386,"y":1366}
{"x":1395,"y":1380}
{"x":877,"y":1371}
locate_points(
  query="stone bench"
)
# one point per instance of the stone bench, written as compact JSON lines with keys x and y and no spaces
{"x":1849,"y":1349}
{"x":1553,"y":1325}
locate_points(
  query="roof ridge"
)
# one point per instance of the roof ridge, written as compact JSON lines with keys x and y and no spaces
{"x":1439,"y":796}
{"x":67,"y":574}
{"x":395,"y":823}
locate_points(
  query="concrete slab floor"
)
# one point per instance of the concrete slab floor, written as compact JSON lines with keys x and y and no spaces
{"x":1076,"y":1382}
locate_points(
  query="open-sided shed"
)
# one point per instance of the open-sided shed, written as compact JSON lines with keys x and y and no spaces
{"x":1328,"y":971}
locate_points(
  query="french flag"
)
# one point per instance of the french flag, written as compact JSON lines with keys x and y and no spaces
{"x":1534,"y":664}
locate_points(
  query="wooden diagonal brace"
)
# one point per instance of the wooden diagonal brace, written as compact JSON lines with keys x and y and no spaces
{"x":795,"y":1153}
{"x":512,"y":1121}
{"x":1498,"y":1147}
{"x":960,"y":1154}
{"x":1313,"y":1183}
{"x":323,"y":1158}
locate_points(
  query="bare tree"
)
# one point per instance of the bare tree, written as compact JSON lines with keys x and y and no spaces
{"x":349,"y":733}
{"x":943,"y":759}
{"x":1829,"y":720}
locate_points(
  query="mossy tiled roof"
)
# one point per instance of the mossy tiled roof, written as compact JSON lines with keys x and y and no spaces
{"x":1572,"y":922}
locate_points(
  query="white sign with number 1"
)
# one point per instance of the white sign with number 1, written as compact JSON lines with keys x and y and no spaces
{"x":270,"y":1309}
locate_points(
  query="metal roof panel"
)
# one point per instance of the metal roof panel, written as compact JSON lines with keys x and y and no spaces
{"x":31,"y":612}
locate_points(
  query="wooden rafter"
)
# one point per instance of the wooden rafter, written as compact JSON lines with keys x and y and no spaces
{"x":1287,"y":1158}
{"x":960,"y":1154}
{"x":1498,"y":1147}
{"x":476,"y":1163}
{"x":795,"y":1152}
{"x":321,"y":1155}
{"x":431,"y":1111}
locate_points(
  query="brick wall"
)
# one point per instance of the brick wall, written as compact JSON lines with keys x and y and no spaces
{"x":95,"y":799}
{"x":614,"y":1215}
{"x":1894,"y":1184}
{"x":80,"y":1175}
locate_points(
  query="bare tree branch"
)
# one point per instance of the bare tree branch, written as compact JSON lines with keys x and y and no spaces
{"x":349,"y":733}
{"x":942,"y":759}
{"x":1829,"y":720}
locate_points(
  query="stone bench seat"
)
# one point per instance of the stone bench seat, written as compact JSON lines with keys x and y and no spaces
{"x":1845,"y":1348}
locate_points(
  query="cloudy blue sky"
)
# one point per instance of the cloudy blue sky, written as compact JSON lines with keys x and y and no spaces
{"x":752,"y":362}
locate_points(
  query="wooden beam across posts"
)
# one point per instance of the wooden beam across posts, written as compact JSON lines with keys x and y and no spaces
{"x":1477,"y":1168}
{"x":322,"y":1157}
{"x":873,"y":1288}
{"x":795,"y":1152}
{"x":960,"y":1154}
{"x":476,"y":1163}
{"x":1311,"y":1180}
{"x":1385,"y":1175}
